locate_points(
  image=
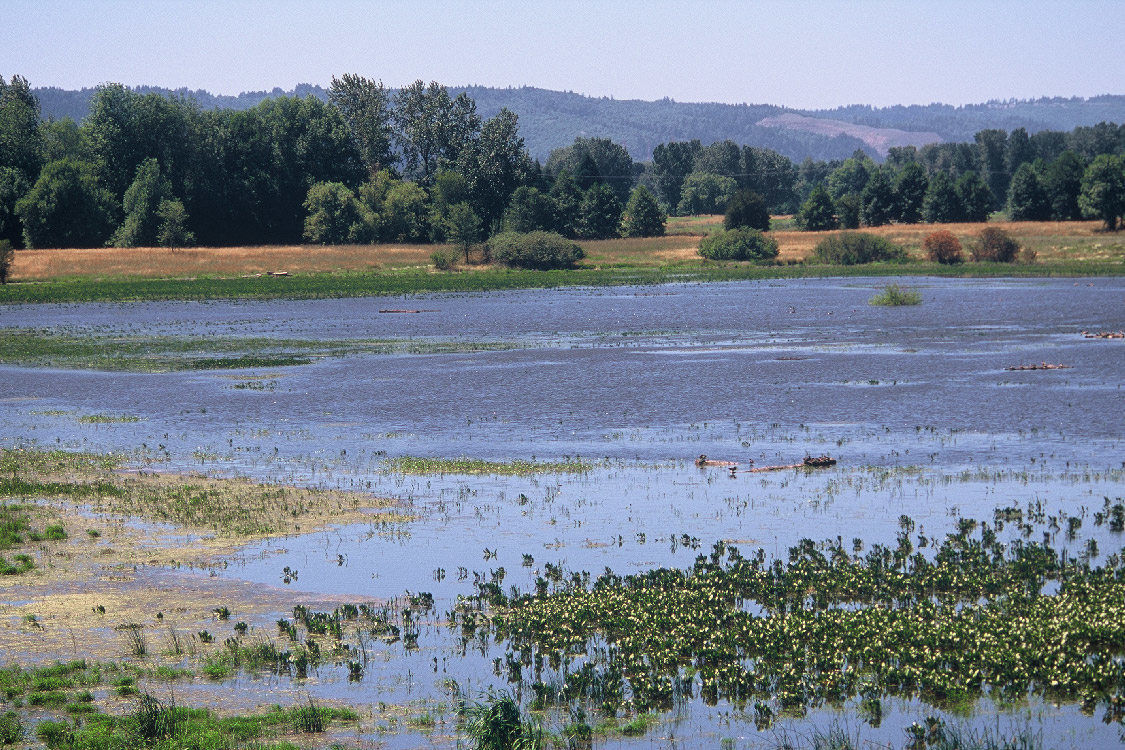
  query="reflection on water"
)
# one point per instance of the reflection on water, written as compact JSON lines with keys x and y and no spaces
{"x":914,"y":402}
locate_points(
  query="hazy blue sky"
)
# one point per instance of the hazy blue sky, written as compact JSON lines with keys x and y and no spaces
{"x":802,"y":54}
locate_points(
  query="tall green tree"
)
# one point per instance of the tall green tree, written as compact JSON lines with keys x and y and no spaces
{"x":566,"y":199}
{"x":910,"y":191}
{"x":13,"y":186}
{"x":770,"y":175}
{"x":942,"y":203}
{"x":993,"y":148}
{"x":173,"y":229}
{"x":494,"y":164}
{"x":849,"y":210}
{"x":335,"y":216}
{"x":706,"y":193}
{"x":463,"y":227}
{"x":1018,"y":150}
{"x":614,"y":165}
{"x":600,"y":213}
{"x":721,"y":157}
{"x":974,"y":196}
{"x":67,"y":208}
{"x":672,"y":163}
{"x":643,"y":215}
{"x":1103,"y":190}
{"x":747,"y":209}
{"x":878,"y":199}
{"x":529,"y":210}
{"x":21,"y":143}
{"x":365,"y":106}
{"x":1063,"y":182}
{"x":851,"y":176}
{"x":405,"y":216}
{"x":818,"y":212}
{"x":1027,"y":200}
{"x":142,"y":199}
{"x":431,"y":128}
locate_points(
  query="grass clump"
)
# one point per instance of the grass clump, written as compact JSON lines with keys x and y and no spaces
{"x":856,"y":248}
{"x":107,"y":418}
{"x":465,"y":465}
{"x":894,"y":295}
{"x":495,"y":723}
{"x":742,"y":243}
{"x":20,"y":564}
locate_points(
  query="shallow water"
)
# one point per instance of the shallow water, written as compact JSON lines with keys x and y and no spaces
{"x":914,"y":402}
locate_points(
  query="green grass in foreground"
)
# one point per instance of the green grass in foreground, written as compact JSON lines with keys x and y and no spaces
{"x":413,"y":281}
{"x":463,"y":465}
{"x":32,"y":347}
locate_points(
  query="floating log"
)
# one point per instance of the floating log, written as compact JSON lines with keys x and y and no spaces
{"x":406,"y":311}
{"x":810,"y":462}
{"x":1040,"y":366}
{"x":703,"y":461}
{"x":279,"y":273}
{"x":1104,"y":334}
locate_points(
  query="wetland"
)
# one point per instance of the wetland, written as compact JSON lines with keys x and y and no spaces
{"x":306,"y":523}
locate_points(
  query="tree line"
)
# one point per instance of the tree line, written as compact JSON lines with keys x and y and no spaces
{"x":420,"y":165}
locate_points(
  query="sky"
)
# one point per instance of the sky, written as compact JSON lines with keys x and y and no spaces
{"x":812,"y":54}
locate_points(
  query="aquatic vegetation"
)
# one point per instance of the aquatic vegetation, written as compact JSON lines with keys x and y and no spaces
{"x":495,"y":723}
{"x":235,"y":507}
{"x":894,"y":295}
{"x":823,"y":627}
{"x":159,"y":723}
{"x":465,"y":465}
{"x":107,"y":418}
{"x":91,"y":350}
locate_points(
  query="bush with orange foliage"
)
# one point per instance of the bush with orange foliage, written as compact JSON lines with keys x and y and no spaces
{"x":942,"y":247}
{"x":996,"y":246}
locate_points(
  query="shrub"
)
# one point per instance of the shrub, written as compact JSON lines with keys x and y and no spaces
{"x":444,"y":258}
{"x":11,"y":729}
{"x":894,"y":295}
{"x":943,"y":247}
{"x":994,"y":245}
{"x":742,"y":243}
{"x":538,"y":250}
{"x":853,"y":248}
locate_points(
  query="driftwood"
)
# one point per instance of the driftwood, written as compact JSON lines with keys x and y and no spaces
{"x":406,"y":311}
{"x":1040,"y":366}
{"x":810,"y":462}
{"x":703,"y":461}
{"x":1104,"y":334}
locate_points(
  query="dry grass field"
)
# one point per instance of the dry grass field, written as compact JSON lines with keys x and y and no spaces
{"x":1061,"y":241}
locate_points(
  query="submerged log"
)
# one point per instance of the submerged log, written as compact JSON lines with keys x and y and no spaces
{"x":1040,"y":366}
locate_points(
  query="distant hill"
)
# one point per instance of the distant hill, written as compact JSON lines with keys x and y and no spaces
{"x":551,"y":119}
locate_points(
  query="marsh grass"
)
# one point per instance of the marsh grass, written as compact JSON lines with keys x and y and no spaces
{"x":107,"y":418}
{"x":465,"y":465}
{"x":31,"y":347}
{"x":229,"y":506}
{"x":894,"y":295}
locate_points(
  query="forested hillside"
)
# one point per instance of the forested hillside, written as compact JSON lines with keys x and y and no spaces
{"x":552,"y":119}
